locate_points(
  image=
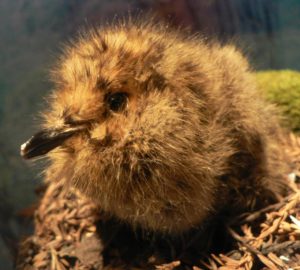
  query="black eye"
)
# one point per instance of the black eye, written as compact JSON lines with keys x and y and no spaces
{"x":117,"y":101}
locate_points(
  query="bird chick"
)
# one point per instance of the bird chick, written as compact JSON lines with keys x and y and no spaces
{"x":161,"y":130}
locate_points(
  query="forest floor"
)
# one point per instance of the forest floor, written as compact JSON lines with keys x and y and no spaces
{"x":70,"y":233}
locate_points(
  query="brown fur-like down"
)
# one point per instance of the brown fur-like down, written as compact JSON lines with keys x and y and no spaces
{"x":193,"y":140}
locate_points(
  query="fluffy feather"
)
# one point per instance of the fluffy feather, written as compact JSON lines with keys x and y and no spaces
{"x":194,"y":139}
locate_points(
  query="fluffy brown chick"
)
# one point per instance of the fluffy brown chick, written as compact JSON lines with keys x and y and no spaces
{"x":160,"y":129}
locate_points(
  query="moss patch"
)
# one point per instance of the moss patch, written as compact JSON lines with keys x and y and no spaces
{"x":283,"y":88}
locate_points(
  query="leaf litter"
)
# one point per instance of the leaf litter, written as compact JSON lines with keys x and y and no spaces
{"x":72,"y":233}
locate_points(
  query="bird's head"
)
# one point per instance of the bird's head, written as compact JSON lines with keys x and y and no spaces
{"x":127,"y":126}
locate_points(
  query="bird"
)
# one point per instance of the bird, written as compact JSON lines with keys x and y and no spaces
{"x":161,"y":128}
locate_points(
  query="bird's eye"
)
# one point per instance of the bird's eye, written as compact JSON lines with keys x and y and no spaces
{"x":117,"y":101}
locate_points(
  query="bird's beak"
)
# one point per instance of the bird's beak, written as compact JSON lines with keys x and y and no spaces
{"x":46,"y":140}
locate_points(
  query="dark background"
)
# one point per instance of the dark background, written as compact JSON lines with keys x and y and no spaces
{"x":33,"y":31}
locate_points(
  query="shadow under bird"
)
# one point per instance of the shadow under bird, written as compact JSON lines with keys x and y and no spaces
{"x":161,"y":130}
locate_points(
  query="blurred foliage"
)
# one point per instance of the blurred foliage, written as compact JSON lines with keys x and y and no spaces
{"x":283,"y":88}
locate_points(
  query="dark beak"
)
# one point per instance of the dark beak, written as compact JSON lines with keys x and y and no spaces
{"x":46,"y":140}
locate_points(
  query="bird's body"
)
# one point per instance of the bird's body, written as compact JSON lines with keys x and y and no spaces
{"x":161,"y":130}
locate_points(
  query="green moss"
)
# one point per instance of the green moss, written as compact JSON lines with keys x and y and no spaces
{"x":283,"y":88}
